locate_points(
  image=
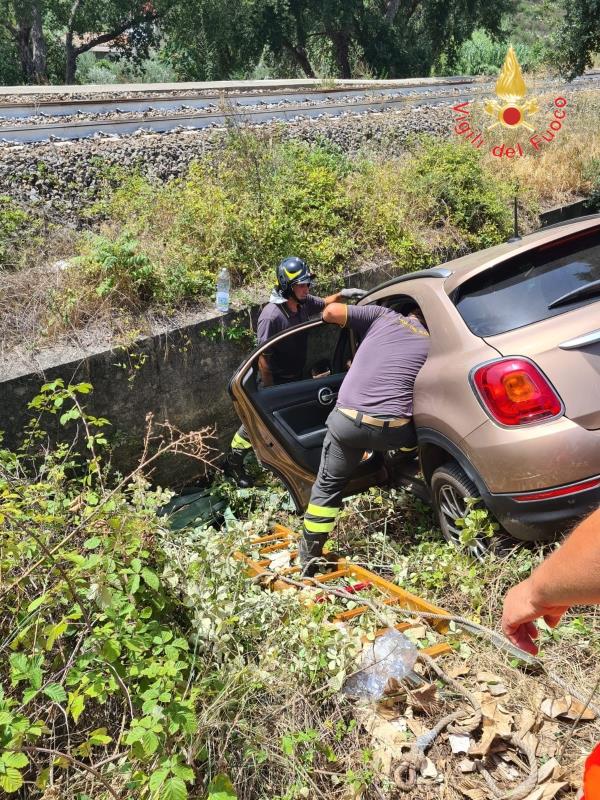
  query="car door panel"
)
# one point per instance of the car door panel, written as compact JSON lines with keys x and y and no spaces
{"x":286,"y":423}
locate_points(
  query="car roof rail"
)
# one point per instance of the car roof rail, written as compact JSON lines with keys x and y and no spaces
{"x":434,"y":272}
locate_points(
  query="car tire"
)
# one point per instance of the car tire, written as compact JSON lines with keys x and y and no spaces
{"x":450,"y":485}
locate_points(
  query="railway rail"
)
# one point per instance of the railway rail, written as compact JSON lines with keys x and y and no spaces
{"x":125,"y":115}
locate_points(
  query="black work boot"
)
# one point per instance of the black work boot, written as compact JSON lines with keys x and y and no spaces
{"x":234,"y":468}
{"x":310,"y":554}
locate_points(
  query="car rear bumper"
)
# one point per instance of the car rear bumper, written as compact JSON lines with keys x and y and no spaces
{"x":543,"y":519}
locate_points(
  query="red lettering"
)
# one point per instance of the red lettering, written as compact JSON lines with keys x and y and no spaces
{"x":462,"y":127}
{"x":460,"y":108}
{"x":535,"y":141}
{"x":498,"y":150}
{"x":559,"y":114}
{"x":556,"y":125}
{"x":510,"y":152}
{"x":520,"y":149}
{"x":560,"y":102}
{"x":547,"y":136}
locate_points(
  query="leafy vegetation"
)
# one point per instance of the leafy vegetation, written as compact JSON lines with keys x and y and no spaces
{"x":255,"y":202}
{"x":482,"y":55}
{"x":19,"y":231}
{"x":130,"y":650}
{"x":154,"y":69}
{"x":45,"y":41}
{"x":140,"y":661}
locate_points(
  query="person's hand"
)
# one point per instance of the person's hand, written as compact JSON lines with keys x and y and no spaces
{"x":520,"y":612}
{"x":353,"y":294}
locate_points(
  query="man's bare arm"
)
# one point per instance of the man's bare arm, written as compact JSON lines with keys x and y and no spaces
{"x":336,"y":313}
{"x":570,"y":576}
{"x":265,"y":370}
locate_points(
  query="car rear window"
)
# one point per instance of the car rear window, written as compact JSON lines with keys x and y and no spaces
{"x":526,"y":289}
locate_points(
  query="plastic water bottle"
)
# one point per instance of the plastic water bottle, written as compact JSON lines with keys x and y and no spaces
{"x":223,"y":286}
{"x":391,"y":655}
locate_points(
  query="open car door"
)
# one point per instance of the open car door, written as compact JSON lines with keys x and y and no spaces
{"x":286,"y":423}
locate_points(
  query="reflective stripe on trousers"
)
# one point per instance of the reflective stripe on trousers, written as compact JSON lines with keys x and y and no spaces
{"x":343,"y":448}
{"x":241,"y":440}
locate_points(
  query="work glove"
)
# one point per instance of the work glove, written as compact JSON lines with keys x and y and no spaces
{"x":353,"y":294}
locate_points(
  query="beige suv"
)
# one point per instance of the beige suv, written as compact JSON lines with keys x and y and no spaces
{"x":507,"y":405}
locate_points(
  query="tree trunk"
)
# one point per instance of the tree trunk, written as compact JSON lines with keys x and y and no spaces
{"x":31,"y":44}
{"x":300,"y":56}
{"x":38,"y":46}
{"x":341,"y":49}
{"x":24,"y":47}
{"x":70,"y":59}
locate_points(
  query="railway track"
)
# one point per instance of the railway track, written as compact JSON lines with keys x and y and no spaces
{"x":161,"y":124}
{"x":197,"y":101}
{"x":155,"y":114}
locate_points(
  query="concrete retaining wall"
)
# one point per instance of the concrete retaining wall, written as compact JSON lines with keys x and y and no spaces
{"x":181,"y":376}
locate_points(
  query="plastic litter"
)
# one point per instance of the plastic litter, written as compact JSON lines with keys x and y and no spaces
{"x":391,"y":655}
{"x":196,"y":509}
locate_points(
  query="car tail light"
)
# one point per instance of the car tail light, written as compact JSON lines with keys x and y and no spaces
{"x":515,"y":392}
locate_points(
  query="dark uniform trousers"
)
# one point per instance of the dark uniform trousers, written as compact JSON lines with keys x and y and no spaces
{"x":345,"y":444}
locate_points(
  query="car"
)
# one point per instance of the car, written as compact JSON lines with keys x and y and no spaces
{"x":506,"y":406}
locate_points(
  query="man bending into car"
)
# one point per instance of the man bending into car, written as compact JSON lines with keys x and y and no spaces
{"x":373,"y":411}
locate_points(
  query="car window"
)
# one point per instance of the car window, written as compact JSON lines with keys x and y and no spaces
{"x":328,"y":350}
{"x":309,"y":352}
{"x":526,"y":289}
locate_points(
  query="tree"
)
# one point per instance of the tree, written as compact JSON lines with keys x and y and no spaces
{"x":92,"y":22}
{"x":76,"y":26}
{"x":579,"y":36}
{"x":392,"y":38}
{"x":22,"y":20}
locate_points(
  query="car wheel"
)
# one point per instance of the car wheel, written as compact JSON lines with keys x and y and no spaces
{"x":450,"y":487}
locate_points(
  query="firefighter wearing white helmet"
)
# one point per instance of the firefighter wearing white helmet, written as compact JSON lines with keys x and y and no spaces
{"x":290,"y":304}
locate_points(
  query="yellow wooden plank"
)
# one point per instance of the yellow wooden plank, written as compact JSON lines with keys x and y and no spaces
{"x":406,"y":599}
{"x":272,"y":537}
{"x":331,"y":576}
{"x":273,"y":548}
{"x":438,"y":649}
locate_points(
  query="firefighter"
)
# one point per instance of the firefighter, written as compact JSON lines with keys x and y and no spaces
{"x":373,"y":411}
{"x":290,"y":304}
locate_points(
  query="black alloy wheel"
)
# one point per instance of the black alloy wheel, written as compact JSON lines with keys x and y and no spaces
{"x":450,"y":487}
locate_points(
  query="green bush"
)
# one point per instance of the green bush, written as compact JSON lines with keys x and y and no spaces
{"x":118,"y":268}
{"x":19,"y":231}
{"x":449,"y":189}
{"x":143,"y":651}
{"x":482,"y":55}
{"x":255,"y":202}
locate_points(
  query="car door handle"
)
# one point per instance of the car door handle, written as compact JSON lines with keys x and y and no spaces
{"x":326,"y":396}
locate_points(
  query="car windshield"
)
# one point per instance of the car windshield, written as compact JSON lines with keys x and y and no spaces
{"x":525,"y":289}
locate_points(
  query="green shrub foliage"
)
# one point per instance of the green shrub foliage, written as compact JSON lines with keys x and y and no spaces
{"x":130,"y":649}
{"x":258,"y":201}
{"x":19,"y":231}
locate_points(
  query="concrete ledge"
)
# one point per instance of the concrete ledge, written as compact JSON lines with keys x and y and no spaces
{"x":219,"y":86}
